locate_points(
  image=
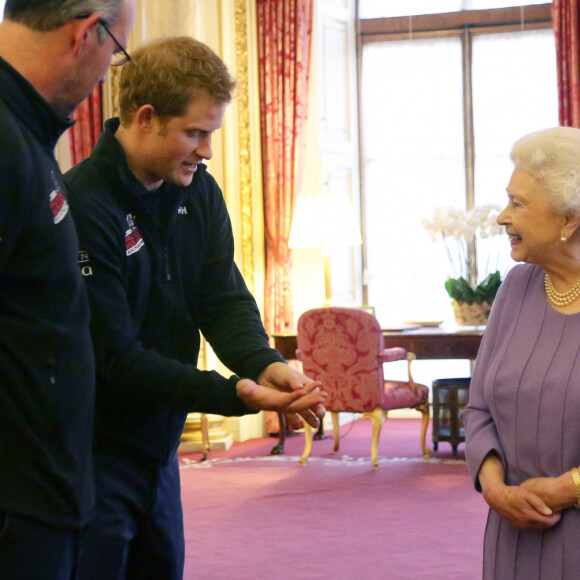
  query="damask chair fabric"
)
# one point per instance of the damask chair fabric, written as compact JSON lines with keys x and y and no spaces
{"x":344,"y":349}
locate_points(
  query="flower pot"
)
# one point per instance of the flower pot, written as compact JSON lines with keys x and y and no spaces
{"x":471,"y":314}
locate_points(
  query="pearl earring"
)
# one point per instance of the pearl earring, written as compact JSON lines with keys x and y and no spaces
{"x":563,"y":239}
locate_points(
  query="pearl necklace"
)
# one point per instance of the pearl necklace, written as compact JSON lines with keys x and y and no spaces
{"x":560,"y":299}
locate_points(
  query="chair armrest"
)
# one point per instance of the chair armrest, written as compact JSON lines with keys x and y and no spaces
{"x":411,"y":356}
{"x":393,"y":354}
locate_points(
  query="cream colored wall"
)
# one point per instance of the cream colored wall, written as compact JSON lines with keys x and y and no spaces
{"x":62,"y":153}
{"x":332,"y":159}
{"x":177,"y":17}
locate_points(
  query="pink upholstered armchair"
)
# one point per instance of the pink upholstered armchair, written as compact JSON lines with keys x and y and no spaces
{"x":343,"y":348}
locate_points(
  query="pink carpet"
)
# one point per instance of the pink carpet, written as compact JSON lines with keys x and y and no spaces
{"x":249,"y":515}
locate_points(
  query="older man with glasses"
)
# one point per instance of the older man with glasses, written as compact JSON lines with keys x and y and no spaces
{"x":121,"y":56}
{"x":50,"y":59}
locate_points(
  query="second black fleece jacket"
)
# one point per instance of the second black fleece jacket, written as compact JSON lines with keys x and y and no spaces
{"x":159,"y":267}
{"x":46,"y":356}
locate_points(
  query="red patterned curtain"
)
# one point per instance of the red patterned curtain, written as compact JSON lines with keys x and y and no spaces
{"x":567,"y":32}
{"x":284,"y":37}
{"x":89,"y":125}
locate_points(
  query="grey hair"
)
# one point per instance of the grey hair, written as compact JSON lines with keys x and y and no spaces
{"x":552,"y":157}
{"x":45,"y":15}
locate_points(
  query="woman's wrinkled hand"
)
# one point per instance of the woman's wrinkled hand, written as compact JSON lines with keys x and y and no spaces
{"x":558,"y":493}
{"x":521,"y":507}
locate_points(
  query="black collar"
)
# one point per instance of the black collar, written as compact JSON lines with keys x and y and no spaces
{"x":29,"y":107}
{"x":109,"y":155}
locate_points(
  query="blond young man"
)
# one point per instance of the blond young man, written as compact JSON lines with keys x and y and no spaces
{"x":157,"y":252}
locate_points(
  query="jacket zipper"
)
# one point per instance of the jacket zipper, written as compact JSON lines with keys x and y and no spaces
{"x":166,"y":265}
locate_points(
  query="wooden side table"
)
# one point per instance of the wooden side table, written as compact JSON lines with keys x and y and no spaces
{"x":450,"y":396}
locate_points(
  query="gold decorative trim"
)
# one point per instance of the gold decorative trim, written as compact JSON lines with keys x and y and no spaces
{"x":244,"y":136}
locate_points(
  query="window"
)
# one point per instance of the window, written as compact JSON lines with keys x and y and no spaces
{"x":440,"y":108}
{"x":412,"y":132}
{"x":416,"y":144}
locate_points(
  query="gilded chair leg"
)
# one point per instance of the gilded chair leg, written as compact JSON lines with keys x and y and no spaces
{"x":424,"y":424}
{"x":307,"y":443}
{"x":377,"y":416}
{"x":335,"y":430}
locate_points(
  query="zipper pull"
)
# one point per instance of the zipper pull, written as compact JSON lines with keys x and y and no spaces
{"x":166,"y":267}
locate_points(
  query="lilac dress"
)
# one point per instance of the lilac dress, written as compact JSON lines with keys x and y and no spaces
{"x":524,"y":403}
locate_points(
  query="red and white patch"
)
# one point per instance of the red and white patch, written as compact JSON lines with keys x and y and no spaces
{"x":58,"y":205}
{"x":133,"y":240}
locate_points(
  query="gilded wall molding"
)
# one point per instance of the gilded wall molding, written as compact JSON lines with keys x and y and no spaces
{"x":244,"y":139}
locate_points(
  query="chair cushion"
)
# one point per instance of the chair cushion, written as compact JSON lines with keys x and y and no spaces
{"x":398,"y":395}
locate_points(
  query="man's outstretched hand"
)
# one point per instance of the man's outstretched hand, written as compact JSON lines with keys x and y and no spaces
{"x":285,"y":378}
{"x":306,"y":400}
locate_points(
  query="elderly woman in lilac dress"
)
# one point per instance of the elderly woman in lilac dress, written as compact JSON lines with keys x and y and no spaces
{"x":523,"y":418}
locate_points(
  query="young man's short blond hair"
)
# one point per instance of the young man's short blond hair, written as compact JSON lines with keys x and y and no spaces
{"x":167,"y":73}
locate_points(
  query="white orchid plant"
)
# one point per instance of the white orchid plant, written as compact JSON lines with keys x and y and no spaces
{"x":458,"y":229}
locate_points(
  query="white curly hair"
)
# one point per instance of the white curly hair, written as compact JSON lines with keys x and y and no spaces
{"x":552,"y":157}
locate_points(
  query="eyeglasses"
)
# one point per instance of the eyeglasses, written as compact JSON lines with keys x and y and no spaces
{"x":120,"y":57}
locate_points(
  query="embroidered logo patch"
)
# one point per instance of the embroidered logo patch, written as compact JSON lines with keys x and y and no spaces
{"x":182,"y":210}
{"x":58,"y":205}
{"x":57,"y":200}
{"x":133,"y":240}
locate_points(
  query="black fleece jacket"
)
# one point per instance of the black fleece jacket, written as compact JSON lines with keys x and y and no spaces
{"x":46,"y":358}
{"x":159,"y":268}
